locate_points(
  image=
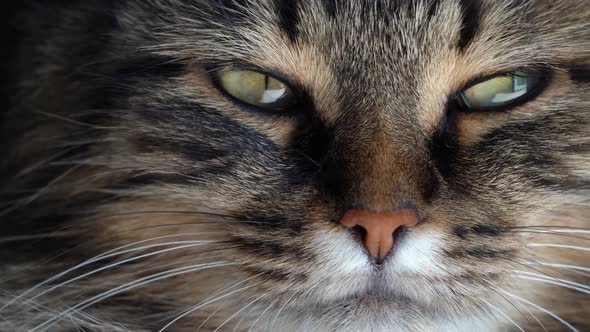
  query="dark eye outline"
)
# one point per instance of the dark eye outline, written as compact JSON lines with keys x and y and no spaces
{"x":298,"y":92}
{"x":544,"y":80}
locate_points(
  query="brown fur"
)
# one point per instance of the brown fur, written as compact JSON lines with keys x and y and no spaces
{"x":119,"y":144}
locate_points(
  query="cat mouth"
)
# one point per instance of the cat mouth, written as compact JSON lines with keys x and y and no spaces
{"x":372,"y":299}
{"x":386,"y":295}
{"x":379,"y":293}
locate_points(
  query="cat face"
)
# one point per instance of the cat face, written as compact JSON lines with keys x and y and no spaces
{"x":472,"y":115}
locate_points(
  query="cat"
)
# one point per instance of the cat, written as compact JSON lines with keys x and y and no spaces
{"x":317,"y":165}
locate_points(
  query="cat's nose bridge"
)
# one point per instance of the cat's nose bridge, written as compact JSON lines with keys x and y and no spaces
{"x":380,"y":228}
{"x":375,"y":169}
{"x":389,"y":173}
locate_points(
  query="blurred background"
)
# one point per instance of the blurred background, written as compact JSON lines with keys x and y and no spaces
{"x":10,"y":35}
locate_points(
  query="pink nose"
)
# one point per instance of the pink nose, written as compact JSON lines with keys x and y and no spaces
{"x":379,"y":227}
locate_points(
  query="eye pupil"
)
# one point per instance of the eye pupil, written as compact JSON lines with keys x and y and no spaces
{"x":500,"y":91}
{"x":256,"y":89}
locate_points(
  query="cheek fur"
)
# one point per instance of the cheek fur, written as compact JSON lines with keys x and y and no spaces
{"x":420,"y":253}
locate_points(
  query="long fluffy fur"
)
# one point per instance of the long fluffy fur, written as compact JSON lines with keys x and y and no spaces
{"x":123,"y":163}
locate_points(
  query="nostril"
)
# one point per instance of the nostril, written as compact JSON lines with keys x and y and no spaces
{"x":398,"y":231}
{"x":397,"y":234}
{"x":378,"y":231}
{"x":359,"y":233}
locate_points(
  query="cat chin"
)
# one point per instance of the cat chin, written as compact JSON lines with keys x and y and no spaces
{"x":383,"y":300}
{"x":377,"y":313}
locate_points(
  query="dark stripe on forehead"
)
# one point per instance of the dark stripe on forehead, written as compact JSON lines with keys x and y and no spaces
{"x":288,"y":13}
{"x":470,"y":13}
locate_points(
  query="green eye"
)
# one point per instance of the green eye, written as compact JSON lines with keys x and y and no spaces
{"x":500,"y":91}
{"x":257,"y":89}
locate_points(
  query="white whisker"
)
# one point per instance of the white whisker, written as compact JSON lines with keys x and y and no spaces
{"x":33,"y":305}
{"x":552,"y":278}
{"x":238,"y":324}
{"x":198,"y":306}
{"x":549,"y":281}
{"x":83,"y":318}
{"x":581,"y":231}
{"x":503,"y":314}
{"x":540,"y":308}
{"x":208,"y":318}
{"x":105,"y":255}
{"x":230,"y":286}
{"x":84,"y":124}
{"x":43,"y":162}
{"x":128,"y":286}
{"x":556,"y":245}
{"x":562,"y":266}
{"x":533,"y":315}
{"x":219,"y":291}
{"x":26,"y":201}
{"x":112,"y":265}
{"x":522,"y":306}
{"x":238,"y":312}
{"x":262,"y":314}
{"x":272,"y":323}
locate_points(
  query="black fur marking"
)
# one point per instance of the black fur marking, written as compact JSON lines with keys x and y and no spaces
{"x":268,"y":249}
{"x":216,"y":136}
{"x":486,"y":230}
{"x":310,"y":149}
{"x":580,"y":73}
{"x":485,"y":252}
{"x":460,"y":231}
{"x":431,"y":186}
{"x":536,"y":154}
{"x":444,"y":145}
{"x":275,"y":222}
{"x":539,"y":165}
{"x":195,"y":151}
{"x":433,"y":8}
{"x":335,"y":181}
{"x":470,"y":12}
{"x":311,"y":143}
{"x":288,"y":12}
{"x":330,"y":7}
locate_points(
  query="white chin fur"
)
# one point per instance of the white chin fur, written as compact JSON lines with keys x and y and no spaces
{"x":346,"y":272}
{"x":374,"y":321}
